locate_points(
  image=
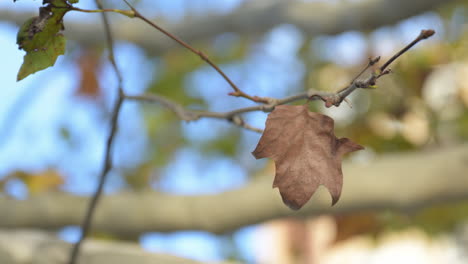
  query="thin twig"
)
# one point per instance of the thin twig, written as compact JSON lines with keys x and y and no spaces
{"x":234,"y":115}
{"x":86,"y":225}
{"x":239,"y":121}
{"x":192,"y":115}
{"x":369,"y":64}
{"x":427,"y":33}
{"x":372,"y":79}
{"x":237,"y":92}
{"x":70,"y":7}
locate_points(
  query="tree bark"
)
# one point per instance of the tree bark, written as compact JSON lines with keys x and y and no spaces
{"x":405,"y":181}
{"x":252,"y":19}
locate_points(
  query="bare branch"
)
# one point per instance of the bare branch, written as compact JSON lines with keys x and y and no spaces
{"x":425,"y":34}
{"x":191,"y":115}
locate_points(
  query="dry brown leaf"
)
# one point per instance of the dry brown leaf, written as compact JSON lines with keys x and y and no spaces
{"x":306,"y":152}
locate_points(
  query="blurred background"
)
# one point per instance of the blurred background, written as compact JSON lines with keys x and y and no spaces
{"x":404,"y":196}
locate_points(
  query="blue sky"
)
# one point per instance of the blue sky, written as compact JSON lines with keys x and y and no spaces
{"x":32,"y":141}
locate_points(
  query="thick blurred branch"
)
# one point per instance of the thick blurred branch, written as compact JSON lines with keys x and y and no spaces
{"x":253,"y":19}
{"x":30,"y":246}
{"x":400,"y":181}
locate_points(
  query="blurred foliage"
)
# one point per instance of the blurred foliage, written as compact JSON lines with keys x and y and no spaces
{"x":437,"y":219}
{"x":165,"y":138}
{"x":349,"y":225}
{"x":140,"y":178}
{"x":178,"y":63}
{"x":36,"y":182}
{"x":226,"y":144}
{"x":360,"y":132}
{"x":462,"y":125}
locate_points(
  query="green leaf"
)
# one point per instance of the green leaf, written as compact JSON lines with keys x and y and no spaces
{"x":41,"y":39}
{"x":43,"y":58}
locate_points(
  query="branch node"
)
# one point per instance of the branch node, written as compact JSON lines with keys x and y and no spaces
{"x":385,"y":72}
{"x":374,"y":60}
{"x":267,"y":107}
{"x":360,"y":84}
{"x":237,"y":120}
{"x":270,"y":101}
{"x":203,"y":56}
{"x":332,"y":99}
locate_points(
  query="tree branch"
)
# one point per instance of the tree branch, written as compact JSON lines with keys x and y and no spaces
{"x":402,"y":181}
{"x":34,"y":246}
